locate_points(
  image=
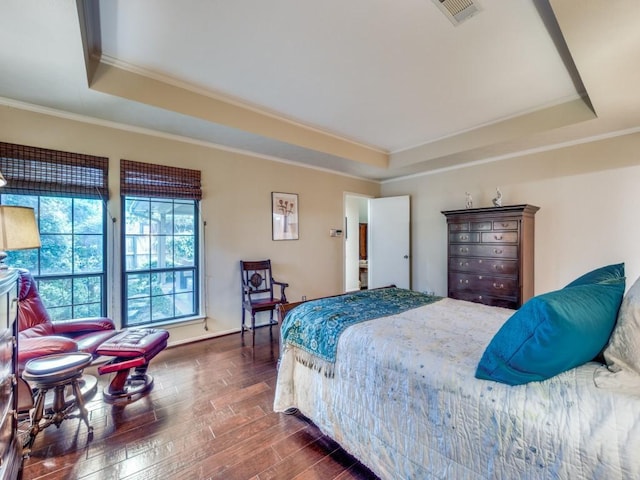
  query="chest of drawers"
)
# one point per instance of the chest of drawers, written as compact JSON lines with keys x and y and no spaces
{"x":10,"y":448}
{"x":490,"y":254}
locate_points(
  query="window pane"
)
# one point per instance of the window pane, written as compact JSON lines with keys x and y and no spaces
{"x":139,"y":311}
{"x":88,"y":253}
{"x":56,"y":254}
{"x":87,"y":216}
{"x":185,"y":304}
{"x":184,"y":251}
{"x":23,"y":259}
{"x":86,"y":289}
{"x":162,"y":251}
{"x":162,"y":283}
{"x":60,"y":313}
{"x":138,"y":252}
{"x":138,"y":285}
{"x":162,"y":217}
{"x":56,"y":215}
{"x":56,"y":292}
{"x":21,"y":200}
{"x":162,"y":307}
{"x":185,"y":280}
{"x":185,"y":218}
{"x":137,"y":216}
{"x":87,"y":310}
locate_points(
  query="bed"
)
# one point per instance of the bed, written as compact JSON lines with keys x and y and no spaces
{"x":402,"y":396}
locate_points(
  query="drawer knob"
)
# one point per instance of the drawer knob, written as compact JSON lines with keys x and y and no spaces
{"x":480,"y":261}
{"x":498,"y":237}
{"x":464,"y":264}
{"x":479,"y":277}
{"x":464,"y":250}
{"x":505,"y":224}
{"x":497,"y":251}
{"x":498,"y":285}
{"x":464,"y":281}
{"x":499,"y":267}
{"x":464,"y":237}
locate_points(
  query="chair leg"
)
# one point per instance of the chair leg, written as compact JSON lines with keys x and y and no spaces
{"x":253,"y":329}
{"x":242,"y":326}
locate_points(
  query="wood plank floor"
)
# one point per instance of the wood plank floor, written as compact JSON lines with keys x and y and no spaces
{"x":208,"y":416}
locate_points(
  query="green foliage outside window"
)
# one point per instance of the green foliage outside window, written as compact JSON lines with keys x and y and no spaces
{"x":160,"y":248}
{"x":69,"y":267}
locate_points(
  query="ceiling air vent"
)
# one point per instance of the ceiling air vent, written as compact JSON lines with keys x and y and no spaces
{"x":457,"y":10}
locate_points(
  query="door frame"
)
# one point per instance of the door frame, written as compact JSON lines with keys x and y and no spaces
{"x":345,"y":196}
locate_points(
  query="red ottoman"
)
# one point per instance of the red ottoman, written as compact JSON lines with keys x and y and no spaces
{"x":132,"y":348}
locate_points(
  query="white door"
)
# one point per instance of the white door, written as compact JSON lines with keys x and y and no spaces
{"x":388,"y":248}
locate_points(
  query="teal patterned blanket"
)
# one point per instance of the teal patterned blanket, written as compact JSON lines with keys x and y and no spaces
{"x":315,"y":326}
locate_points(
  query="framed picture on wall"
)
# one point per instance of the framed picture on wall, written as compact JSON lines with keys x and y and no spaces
{"x":284,"y":210}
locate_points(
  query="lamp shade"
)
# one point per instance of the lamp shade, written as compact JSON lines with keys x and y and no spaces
{"x":3,"y":182}
{"x":18,"y":228}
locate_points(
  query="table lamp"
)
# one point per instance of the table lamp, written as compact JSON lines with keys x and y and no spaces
{"x":18,"y":230}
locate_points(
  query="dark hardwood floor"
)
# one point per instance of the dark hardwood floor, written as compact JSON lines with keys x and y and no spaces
{"x":209,"y":415}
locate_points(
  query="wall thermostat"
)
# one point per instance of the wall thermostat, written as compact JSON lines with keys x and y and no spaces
{"x":335,"y":232}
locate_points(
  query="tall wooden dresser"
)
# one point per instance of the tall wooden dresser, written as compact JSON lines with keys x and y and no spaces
{"x":10,"y":448}
{"x":490,"y":254}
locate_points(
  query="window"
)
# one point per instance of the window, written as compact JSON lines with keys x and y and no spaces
{"x":67,"y":192}
{"x":160,"y":243}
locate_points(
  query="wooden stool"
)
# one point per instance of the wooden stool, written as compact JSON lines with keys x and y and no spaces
{"x":55,"y":372}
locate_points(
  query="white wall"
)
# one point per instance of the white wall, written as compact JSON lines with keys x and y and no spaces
{"x":589,"y":199}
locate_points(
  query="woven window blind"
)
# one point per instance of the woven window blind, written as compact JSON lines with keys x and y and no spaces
{"x":139,"y":179}
{"x":40,"y":171}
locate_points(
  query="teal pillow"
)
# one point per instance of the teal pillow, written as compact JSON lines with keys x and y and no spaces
{"x":600,"y":275}
{"x":552,"y":333}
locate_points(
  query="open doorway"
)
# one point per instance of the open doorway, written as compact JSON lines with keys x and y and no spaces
{"x":356,"y":258}
{"x":383,"y":256}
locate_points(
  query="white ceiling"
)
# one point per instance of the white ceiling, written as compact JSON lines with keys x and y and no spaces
{"x":373,"y":88}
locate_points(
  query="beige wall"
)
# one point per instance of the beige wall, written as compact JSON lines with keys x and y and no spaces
{"x":589,"y":199}
{"x":236,"y":206}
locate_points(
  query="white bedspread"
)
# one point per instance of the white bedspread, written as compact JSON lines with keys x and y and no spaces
{"x":404,"y":400}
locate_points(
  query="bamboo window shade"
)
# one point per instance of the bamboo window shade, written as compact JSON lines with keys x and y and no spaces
{"x":140,"y":179}
{"x":41,"y":171}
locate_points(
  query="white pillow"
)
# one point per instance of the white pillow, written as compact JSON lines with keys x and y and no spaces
{"x":623,"y":350}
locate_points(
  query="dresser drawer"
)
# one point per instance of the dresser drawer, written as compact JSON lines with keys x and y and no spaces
{"x":464,"y":237}
{"x":505,"y":225}
{"x":483,"y":265}
{"x":494,"y":251}
{"x":482,"y":226}
{"x":485,"y":299}
{"x":459,"y":227}
{"x":484,"y":284}
{"x":500,"y":237}
{"x":6,"y":426}
{"x":6,"y":354}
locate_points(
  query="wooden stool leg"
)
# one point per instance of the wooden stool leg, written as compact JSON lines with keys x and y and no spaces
{"x":80,"y":403}
{"x":36,"y":416}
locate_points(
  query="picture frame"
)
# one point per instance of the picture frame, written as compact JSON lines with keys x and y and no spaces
{"x":284,"y":213}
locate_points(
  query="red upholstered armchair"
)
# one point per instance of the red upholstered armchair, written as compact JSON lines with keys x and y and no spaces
{"x":39,"y":335}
